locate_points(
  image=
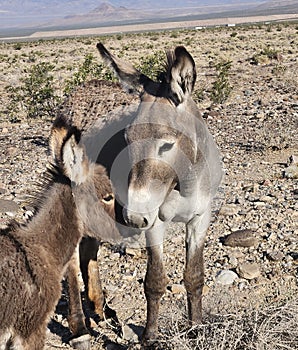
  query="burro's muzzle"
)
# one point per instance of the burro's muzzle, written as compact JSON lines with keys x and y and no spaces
{"x":143,"y":203}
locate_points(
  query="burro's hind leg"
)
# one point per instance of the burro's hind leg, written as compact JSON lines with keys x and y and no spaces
{"x":155,"y":286}
{"x":194,"y":268}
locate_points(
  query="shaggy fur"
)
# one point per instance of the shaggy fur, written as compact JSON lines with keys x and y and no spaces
{"x":34,"y":256}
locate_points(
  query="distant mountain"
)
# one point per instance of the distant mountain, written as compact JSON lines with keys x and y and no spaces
{"x":74,"y":13}
{"x":285,"y":6}
{"x":107,"y":8}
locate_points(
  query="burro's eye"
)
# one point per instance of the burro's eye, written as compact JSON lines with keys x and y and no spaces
{"x":167,"y":146}
{"x":108,"y":199}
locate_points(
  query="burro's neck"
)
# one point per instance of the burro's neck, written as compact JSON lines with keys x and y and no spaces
{"x":55,"y":228}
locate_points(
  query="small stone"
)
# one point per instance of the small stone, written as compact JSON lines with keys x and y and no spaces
{"x":7,"y":206}
{"x":10,"y":151}
{"x":275,"y":255}
{"x":2,"y":190}
{"x":177,"y":288}
{"x":248,"y":92}
{"x":249,"y":271}
{"x":205,"y":290}
{"x":266,"y":199}
{"x":4,"y":130}
{"x":259,"y":204}
{"x":133,"y":252}
{"x":291,"y":172}
{"x":267,"y":182}
{"x":229,"y":210}
{"x":294,"y":159}
{"x":233,"y":260}
{"x":226,"y":277}
{"x":241,"y":238}
{"x":131,"y":334}
{"x":114,"y":256}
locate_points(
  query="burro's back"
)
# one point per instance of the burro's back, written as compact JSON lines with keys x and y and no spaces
{"x":93,"y":100}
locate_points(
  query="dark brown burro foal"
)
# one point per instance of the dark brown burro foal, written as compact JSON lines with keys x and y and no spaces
{"x":34,"y":256}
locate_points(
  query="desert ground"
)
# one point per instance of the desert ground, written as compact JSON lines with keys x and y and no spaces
{"x":250,"y":294}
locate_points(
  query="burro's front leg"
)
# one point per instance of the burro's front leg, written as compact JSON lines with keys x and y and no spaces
{"x":155,"y":286}
{"x":194,"y":268}
{"x":76,"y":318}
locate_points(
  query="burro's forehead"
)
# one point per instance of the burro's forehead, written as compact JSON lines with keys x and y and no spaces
{"x":160,"y":120}
{"x":151,"y":131}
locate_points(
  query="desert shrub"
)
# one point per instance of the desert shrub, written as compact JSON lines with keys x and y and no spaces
{"x":265,"y":56}
{"x":279,"y":69}
{"x":35,"y":95}
{"x":152,"y":65}
{"x":89,"y":69}
{"x":199,"y":94}
{"x":221,"y":87}
{"x":17,"y":46}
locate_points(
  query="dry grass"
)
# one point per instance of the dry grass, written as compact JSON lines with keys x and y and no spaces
{"x":271,"y":326}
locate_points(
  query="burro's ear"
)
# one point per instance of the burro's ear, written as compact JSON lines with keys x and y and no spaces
{"x":58,"y":134}
{"x":75,"y":161}
{"x":181,"y":67}
{"x":131,"y":79}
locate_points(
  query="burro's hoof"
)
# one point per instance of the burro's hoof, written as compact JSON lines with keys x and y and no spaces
{"x":81,"y":343}
{"x":149,"y":340}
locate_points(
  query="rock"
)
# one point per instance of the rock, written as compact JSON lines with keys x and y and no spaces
{"x":131,"y":333}
{"x":266,"y":199}
{"x":177,"y":288}
{"x":226,"y":277}
{"x":133,"y":252}
{"x":233,"y":260}
{"x":241,"y":238}
{"x":4,"y":130}
{"x":291,"y":172}
{"x":10,"y":151}
{"x":205,"y":290}
{"x":249,"y":270}
{"x":7,"y":206}
{"x":229,"y":210}
{"x":294,"y":159}
{"x":267,"y":182}
{"x":249,"y":92}
{"x":3,"y":190}
{"x":275,"y":255}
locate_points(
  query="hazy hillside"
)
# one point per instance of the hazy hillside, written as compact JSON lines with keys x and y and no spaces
{"x":47,"y":14}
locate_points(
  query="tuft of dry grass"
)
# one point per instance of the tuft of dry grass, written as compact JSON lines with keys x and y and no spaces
{"x":269,"y":328}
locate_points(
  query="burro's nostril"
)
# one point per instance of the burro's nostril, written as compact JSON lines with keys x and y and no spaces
{"x":145,"y":222}
{"x":135,"y":220}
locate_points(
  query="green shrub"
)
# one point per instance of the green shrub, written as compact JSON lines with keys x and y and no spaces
{"x":17,"y":46}
{"x":152,"y":65}
{"x":221,"y":87}
{"x":265,"y":56}
{"x":35,"y":95}
{"x":88,"y":70}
